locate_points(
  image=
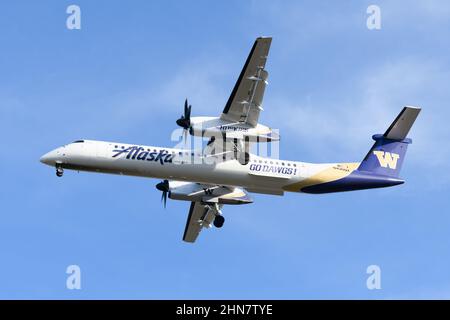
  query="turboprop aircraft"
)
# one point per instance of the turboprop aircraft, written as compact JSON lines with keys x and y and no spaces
{"x":225,"y":172}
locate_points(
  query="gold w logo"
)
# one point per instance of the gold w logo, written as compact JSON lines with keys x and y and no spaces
{"x":387,"y":159}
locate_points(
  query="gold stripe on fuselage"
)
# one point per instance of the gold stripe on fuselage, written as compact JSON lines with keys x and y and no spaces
{"x":333,"y":173}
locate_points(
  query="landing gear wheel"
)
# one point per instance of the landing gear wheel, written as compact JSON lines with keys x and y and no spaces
{"x":219,"y":221}
{"x":244,"y":158}
{"x":59,"y":171}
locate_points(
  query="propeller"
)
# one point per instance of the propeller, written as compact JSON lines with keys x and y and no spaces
{"x":163,"y":186}
{"x":185,"y":120}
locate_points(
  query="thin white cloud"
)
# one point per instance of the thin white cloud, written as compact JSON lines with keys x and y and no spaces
{"x":199,"y":82}
{"x":417,"y":12}
{"x":381,"y":93}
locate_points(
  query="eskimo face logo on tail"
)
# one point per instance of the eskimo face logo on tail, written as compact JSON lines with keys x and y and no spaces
{"x":387,"y":159}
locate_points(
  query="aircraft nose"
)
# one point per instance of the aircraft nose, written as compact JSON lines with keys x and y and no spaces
{"x":50,"y":158}
{"x":46,"y":158}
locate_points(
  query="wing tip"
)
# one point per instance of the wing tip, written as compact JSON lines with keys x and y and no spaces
{"x":413,"y":107}
{"x":264,"y":38}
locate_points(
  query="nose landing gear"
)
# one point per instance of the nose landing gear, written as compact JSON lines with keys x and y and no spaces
{"x":59,"y":171}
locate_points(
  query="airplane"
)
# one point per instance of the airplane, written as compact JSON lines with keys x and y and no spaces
{"x":225,"y":172}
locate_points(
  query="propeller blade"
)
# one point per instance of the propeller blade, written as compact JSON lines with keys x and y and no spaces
{"x":188,"y":113}
{"x":185,"y":120}
{"x":163,"y":186}
{"x":165,"y":199}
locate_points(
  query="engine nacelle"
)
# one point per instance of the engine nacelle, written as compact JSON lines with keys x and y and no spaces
{"x":216,"y":127}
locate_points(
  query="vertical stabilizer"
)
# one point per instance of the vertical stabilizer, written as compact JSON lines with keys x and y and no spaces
{"x":387,"y":154}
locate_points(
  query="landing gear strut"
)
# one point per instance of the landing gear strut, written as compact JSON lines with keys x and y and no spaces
{"x":59,"y":171}
{"x":242,"y":151}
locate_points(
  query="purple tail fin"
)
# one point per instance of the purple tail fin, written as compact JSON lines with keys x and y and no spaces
{"x":387,"y":154}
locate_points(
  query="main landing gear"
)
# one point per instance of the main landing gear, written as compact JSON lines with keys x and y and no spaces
{"x":242,"y":151}
{"x":219,"y":221}
{"x":59,"y":171}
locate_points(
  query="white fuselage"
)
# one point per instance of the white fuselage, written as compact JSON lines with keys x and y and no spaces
{"x":263,"y":175}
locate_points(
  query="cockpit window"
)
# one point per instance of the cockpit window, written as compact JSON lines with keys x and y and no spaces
{"x":78,"y":141}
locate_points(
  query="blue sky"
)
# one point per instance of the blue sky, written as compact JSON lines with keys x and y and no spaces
{"x":124,"y":76}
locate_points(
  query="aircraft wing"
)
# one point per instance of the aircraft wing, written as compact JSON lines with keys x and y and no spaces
{"x":245,"y":101}
{"x":200,"y":216}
